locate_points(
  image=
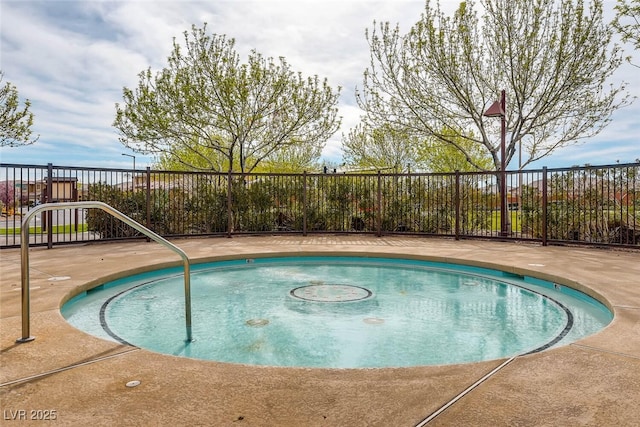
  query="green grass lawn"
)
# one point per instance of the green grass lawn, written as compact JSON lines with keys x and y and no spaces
{"x":56,"y":229}
{"x":515,"y":221}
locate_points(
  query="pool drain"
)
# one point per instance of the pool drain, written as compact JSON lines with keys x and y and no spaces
{"x":331,"y":293}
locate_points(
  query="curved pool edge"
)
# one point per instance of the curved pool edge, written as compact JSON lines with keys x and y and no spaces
{"x":595,"y":379}
{"x":552,"y":278}
{"x":458,"y":353}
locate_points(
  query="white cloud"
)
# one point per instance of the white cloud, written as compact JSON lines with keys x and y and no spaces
{"x":72,"y":59}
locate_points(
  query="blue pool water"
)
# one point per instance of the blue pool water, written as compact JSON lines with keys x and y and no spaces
{"x":340,"y":312}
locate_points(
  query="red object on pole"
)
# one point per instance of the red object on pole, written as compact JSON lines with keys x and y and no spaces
{"x":503,"y":166}
{"x":497,"y":109}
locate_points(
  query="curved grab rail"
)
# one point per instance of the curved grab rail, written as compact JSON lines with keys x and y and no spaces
{"x":24,"y":257}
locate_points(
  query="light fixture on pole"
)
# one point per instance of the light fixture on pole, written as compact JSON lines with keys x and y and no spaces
{"x":134,"y":159}
{"x":497,"y":109}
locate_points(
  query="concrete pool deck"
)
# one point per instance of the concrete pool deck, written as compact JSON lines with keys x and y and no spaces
{"x":81,"y":380}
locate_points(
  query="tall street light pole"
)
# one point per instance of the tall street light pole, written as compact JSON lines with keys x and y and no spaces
{"x":134,"y":160}
{"x":498,"y":109}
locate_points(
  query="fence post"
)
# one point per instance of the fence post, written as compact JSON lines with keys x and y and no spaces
{"x":544,"y":206}
{"x":304,"y":203}
{"x":148,"y":199}
{"x":457,"y":205}
{"x":48,"y":220}
{"x":229,"y":217}
{"x":379,"y":207}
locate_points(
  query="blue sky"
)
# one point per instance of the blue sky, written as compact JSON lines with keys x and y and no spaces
{"x":72,"y":59}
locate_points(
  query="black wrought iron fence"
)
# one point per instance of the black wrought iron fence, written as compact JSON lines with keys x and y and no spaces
{"x":595,"y":204}
{"x":591,"y":205}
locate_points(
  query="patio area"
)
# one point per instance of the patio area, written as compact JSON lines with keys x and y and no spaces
{"x":81,"y":380}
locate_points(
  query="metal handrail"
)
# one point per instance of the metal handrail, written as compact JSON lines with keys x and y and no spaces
{"x":24,"y":257}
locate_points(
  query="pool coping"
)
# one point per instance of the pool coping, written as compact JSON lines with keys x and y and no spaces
{"x":593,"y":381}
{"x":490,"y":271}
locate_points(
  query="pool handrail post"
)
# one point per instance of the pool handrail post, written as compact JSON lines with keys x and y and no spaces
{"x":24,"y":258}
{"x":24,"y":274}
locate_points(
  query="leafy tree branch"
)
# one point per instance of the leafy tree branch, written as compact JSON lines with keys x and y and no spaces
{"x":15,"y":123}
{"x":207,"y":105}
{"x":555,"y":60}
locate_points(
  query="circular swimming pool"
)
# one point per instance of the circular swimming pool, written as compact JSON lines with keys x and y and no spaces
{"x":338,"y":312}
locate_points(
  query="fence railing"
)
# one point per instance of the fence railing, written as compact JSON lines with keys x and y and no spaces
{"x":589,"y":205}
